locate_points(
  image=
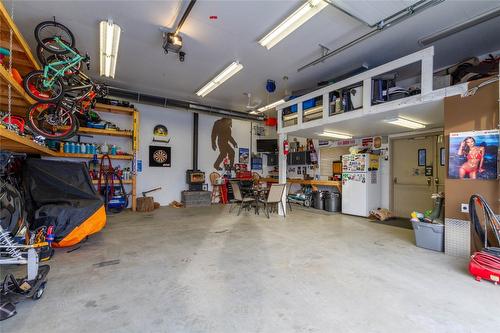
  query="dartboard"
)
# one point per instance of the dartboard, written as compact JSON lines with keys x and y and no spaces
{"x":160,"y":156}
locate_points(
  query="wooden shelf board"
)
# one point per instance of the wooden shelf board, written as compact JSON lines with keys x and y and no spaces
{"x":100,"y":107}
{"x":129,"y":181}
{"x":97,"y":131}
{"x":89,"y":156}
{"x":18,"y":93}
{"x":23,"y":56}
{"x":13,"y":142}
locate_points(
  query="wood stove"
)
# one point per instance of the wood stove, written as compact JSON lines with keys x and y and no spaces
{"x":195,"y":180}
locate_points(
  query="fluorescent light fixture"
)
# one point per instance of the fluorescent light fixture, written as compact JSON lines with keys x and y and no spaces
{"x":271,"y":106}
{"x":335,"y":135}
{"x":109,"y":42}
{"x":230,"y":70}
{"x":292,"y":22}
{"x":405,"y":123}
{"x":451,"y":30}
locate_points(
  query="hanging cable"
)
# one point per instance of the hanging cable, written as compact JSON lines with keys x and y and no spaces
{"x":11,"y":56}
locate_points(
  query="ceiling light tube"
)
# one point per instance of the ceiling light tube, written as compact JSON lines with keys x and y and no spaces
{"x":292,"y":22}
{"x":229,"y":71}
{"x":270,"y":106}
{"x":335,"y":135}
{"x":403,"y":122}
{"x":109,"y":43}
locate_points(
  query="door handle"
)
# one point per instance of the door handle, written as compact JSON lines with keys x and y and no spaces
{"x":395,"y":180}
{"x":436,"y":180}
{"x":429,"y":181}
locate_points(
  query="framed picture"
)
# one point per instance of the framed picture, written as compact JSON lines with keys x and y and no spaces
{"x":422,"y":157}
{"x":473,"y":155}
{"x":159,"y":156}
{"x":442,"y":156}
{"x":256,"y":163}
{"x":244,"y":155}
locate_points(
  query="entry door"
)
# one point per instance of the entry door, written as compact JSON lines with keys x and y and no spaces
{"x":415,"y":177}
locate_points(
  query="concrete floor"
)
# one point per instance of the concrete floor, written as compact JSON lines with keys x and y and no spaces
{"x":204,"y":270}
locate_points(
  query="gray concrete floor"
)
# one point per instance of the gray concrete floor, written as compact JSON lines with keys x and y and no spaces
{"x":204,"y":270}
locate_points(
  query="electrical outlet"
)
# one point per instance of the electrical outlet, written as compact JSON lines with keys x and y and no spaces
{"x":464,"y":208}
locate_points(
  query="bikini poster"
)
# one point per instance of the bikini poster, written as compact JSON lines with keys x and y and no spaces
{"x":473,"y":155}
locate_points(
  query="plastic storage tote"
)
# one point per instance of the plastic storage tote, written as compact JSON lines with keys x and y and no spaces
{"x":429,"y":235}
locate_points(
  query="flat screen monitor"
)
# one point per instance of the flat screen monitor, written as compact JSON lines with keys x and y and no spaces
{"x":267,"y":145}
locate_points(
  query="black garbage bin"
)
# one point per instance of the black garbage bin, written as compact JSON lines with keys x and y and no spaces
{"x":319,"y":199}
{"x":332,"y":202}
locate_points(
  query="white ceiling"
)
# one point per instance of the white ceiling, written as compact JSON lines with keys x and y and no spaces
{"x":213,"y":44}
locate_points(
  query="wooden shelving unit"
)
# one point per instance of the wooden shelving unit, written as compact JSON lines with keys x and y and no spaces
{"x":20,"y":100}
{"x":24,"y":62}
{"x":133,"y":135}
{"x":97,"y":131}
{"x":16,"y":143}
{"x":89,"y":156}
{"x":114,"y":109}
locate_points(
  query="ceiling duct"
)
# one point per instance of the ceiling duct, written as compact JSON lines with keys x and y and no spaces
{"x":138,"y":97}
{"x":489,"y":15}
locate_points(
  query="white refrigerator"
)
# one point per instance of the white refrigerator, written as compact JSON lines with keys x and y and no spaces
{"x":360,"y":184}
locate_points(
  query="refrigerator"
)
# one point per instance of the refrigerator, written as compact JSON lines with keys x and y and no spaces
{"x":361,"y":188}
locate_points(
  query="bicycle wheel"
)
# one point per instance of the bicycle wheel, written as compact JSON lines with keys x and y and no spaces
{"x":47,"y":58}
{"x":52,"y":121}
{"x":51,"y":29}
{"x":12,"y":212}
{"x":33,"y":84}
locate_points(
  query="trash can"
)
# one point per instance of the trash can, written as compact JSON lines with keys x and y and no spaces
{"x":332,"y":202}
{"x":429,"y":235}
{"x":319,"y":199}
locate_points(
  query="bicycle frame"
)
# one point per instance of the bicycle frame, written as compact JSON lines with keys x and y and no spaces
{"x":50,"y":73}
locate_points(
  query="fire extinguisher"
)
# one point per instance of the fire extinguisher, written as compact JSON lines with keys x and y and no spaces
{"x":286,"y":147}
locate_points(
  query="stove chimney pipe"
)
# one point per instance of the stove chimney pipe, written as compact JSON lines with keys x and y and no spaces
{"x":195,"y":141}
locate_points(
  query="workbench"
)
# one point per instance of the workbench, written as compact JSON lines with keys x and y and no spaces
{"x":312,"y":182}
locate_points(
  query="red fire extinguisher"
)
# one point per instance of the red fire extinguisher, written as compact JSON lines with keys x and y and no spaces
{"x":286,"y":147}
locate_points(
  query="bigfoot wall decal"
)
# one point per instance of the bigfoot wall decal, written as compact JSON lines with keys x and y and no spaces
{"x":221,"y":139}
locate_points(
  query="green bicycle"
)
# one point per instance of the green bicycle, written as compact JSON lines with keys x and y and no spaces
{"x":57,"y":40}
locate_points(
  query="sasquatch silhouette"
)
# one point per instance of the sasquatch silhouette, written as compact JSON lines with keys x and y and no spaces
{"x":221,"y":132}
